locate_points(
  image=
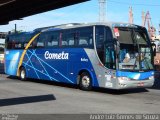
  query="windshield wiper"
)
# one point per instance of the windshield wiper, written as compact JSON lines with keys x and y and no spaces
{"x":136,"y":44}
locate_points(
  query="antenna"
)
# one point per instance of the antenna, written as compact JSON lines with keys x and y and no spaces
{"x":102,"y":10}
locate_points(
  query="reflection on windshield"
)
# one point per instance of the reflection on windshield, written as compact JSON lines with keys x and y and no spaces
{"x":135,"y":52}
{"x":132,"y":59}
{"x":110,"y":57}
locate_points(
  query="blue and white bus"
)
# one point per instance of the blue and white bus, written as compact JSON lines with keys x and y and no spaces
{"x":107,"y":55}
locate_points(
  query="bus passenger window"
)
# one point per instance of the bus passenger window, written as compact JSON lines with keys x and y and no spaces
{"x":40,"y":44}
{"x":83,"y":42}
{"x":54,"y":43}
{"x":41,"y":40}
{"x":71,"y":42}
{"x":54,"y":39}
{"x":70,"y":37}
{"x":85,"y":38}
{"x":64,"y":43}
{"x":49,"y":44}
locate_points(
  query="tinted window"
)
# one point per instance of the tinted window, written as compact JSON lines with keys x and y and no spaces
{"x":100,"y":37}
{"x":103,"y":35}
{"x":18,"y":41}
{"x":70,"y":37}
{"x":51,"y":39}
{"x":105,"y":46}
{"x":41,"y":40}
{"x":77,"y":37}
{"x":85,"y":37}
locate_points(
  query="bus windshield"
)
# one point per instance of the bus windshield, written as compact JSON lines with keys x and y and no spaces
{"x":135,"y":50}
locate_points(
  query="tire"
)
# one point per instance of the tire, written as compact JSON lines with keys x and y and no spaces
{"x":22,"y":74}
{"x":85,"y":82}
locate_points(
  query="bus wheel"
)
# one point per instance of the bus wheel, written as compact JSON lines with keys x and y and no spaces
{"x":23,"y":74}
{"x":85,"y":82}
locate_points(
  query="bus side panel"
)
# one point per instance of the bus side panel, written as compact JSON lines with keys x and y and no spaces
{"x":29,"y":64}
{"x":61,"y":65}
{"x":103,"y":75}
{"x":36,"y":65}
{"x":12,"y":58}
{"x":48,"y":64}
{"x":91,"y":56}
{"x":80,"y":61}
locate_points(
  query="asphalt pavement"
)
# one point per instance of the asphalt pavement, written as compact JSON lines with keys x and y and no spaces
{"x":41,"y":97}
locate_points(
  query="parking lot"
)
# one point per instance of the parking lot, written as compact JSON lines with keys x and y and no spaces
{"x":31,"y":97}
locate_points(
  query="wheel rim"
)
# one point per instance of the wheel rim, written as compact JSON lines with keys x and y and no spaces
{"x":85,"y":81}
{"x":22,"y":74}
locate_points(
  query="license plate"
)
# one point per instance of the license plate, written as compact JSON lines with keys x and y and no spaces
{"x":140,"y":84}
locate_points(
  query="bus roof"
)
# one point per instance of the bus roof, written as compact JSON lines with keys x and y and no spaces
{"x":75,"y":25}
{"x":21,"y":33}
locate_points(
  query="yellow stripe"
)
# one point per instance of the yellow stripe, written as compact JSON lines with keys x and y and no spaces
{"x":24,"y":52}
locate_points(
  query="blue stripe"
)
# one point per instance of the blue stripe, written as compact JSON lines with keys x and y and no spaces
{"x":32,"y":66}
{"x":135,"y":75}
{"x":39,"y":71}
{"x":50,"y":66}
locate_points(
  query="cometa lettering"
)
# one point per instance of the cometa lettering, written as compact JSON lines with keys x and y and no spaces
{"x":62,"y":55}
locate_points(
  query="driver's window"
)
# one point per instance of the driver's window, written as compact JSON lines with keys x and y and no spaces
{"x":100,"y":38}
{"x":105,"y":46}
{"x":110,"y":56}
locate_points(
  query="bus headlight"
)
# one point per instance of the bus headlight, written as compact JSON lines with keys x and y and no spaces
{"x":123,"y":78}
{"x":151,"y":77}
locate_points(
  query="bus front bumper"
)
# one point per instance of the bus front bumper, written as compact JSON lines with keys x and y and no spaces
{"x":122,"y":84}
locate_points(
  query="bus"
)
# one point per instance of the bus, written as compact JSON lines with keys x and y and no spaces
{"x":1,"y":52}
{"x":107,"y":55}
{"x":2,"y":44}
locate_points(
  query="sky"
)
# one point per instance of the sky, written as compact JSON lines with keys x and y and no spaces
{"x":116,"y":11}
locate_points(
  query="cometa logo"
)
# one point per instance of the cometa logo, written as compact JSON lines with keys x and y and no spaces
{"x":62,"y":55}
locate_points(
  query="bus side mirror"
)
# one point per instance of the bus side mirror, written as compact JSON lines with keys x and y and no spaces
{"x":154,"y":49}
{"x":116,"y":45}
